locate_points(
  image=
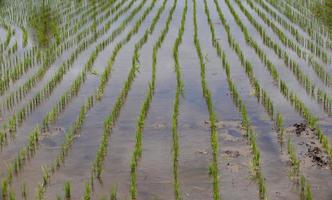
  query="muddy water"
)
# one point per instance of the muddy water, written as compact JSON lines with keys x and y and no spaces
{"x":290,"y":35}
{"x":121,"y":69}
{"x":289,"y":78}
{"x":37,"y":116}
{"x":276,"y":179}
{"x":263,"y":75}
{"x":194,"y":179}
{"x":154,"y":174}
{"x":117,"y":165}
{"x":305,"y":67}
{"x":234,"y":153}
{"x":71,"y":113}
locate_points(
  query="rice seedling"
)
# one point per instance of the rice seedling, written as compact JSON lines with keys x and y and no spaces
{"x":113,"y":195}
{"x":87,"y":192}
{"x":11,"y":195}
{"x":4,"y":189}
{"x":279,"y":125}
{"x":67,"y":190}
{"x":24,"y":191}
{"x":295,"y":163}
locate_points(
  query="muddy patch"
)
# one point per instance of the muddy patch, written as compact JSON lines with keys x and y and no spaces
{"x":221,"y":124}
{"x":310,"y":151}
{"x":316,"y":157}
{"x":231,"y":153}
{"x":51,"y":132}
{"x":234,"y":159}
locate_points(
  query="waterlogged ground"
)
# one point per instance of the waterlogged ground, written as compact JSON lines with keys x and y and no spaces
{"x":147,"y":140}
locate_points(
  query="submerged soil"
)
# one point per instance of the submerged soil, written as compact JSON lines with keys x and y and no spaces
{"x":155,"y":169}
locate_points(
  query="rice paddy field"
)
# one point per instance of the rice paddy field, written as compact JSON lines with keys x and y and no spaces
{"x":164,"y":99}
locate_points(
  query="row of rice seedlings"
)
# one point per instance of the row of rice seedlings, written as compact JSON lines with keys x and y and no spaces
{"x":305,"y":188}
{"x":260,"y":94}
{"x":19,"y":161}
{"x":13,"y":49}
{"x":308,"y":10}
{"x":14,"y":70}
{"x":20,"y":93}
{"x":179,"y":92}
{"x":324,"y":76}
{"x":10,"y":32}
{"x":72,"y":131}
{"x":8,"y":62}
{"x":21,"y":158}
{"x":66,"y":145}
{"x":25,"y":37}
{"x":279,"y":128}
{"x":285,"y":40}
{"x":246,"y":124}
{"x":24,"y":33}
{"x":137,"y":153}
{"x":111,"y":119}
{"x":295,"y":162}
{"x":299,"y":106}
{"x":302,"y":40}
{"x":101,"y":46}
{"x":92,"y":14}
{"x":305,"y":24}
{"x":47,"y":90}
{"x":46,"y":12}
{"x":105,"y":75}
{"x":52,"y":116}
{"x":303,"y":79}
{"x":213,"y":168}
{"x":69,"y":137}
{"x":14,"y":73}
{"x":45,"y":25}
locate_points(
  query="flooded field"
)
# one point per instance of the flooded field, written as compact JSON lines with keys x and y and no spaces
{"x":164,"y":99}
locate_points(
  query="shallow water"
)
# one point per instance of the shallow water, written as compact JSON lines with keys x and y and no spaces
{"x":155,"y":168}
